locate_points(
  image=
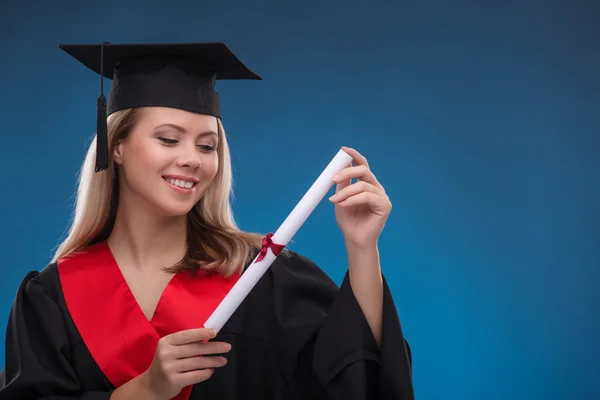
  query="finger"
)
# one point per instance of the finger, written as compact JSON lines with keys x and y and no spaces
{"x":200,"y":362}
{"x":355,"y":189}
{"x":360,"y":172}
{"x":341,"y":184}
{"x":190,"y":336}
{"x":200,"y":348}
{"x":375,"y":202}
{"x":358,"y":158}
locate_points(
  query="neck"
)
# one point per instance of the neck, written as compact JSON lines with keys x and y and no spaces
{"x":143,"y":240}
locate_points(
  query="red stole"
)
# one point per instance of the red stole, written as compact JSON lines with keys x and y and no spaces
{"x":115,"y":330}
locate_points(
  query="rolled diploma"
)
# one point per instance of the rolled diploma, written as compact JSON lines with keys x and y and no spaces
{"x":282,"y":236}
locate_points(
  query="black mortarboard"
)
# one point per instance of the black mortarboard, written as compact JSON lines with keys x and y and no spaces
{"x":178,"y":75}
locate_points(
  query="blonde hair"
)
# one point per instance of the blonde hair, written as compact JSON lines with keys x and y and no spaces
{"x":215,"y":242}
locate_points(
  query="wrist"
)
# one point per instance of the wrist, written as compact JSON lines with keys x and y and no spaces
{"x":137,"y":388}
{"x":370,"y":247}
{"x":363,"y":258}
{"x":360,"y":238}
{"x":146,"y":389}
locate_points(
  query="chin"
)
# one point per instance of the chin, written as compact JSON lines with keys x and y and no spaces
{"x":175,"y":205}
{"x":174,"y":210}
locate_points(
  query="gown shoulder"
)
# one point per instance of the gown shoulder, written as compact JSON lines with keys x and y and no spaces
{"x":38,"y":346}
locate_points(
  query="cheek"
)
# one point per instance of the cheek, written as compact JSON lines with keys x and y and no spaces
{"x":146,"y":159}
{"x":213,"y":168}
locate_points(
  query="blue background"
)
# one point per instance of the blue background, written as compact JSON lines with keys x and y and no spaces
{"x":480,"y":118}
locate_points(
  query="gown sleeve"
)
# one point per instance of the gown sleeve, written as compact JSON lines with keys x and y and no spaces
{"x":37,"y":350}
{"x":325,"y":346}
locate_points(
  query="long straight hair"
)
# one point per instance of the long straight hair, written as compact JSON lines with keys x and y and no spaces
{"x":214,"y":241}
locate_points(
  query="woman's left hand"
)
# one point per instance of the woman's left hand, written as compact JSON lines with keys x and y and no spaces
{"x":361,"y":208}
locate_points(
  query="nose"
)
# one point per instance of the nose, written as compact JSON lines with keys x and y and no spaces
{"x":189,"y":157}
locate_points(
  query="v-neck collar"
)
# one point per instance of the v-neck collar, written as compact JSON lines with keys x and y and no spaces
{"x":130,"y":297}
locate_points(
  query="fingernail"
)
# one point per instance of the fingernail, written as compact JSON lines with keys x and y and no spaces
{"x":212,"y":333}
{"x":332,"y":198}
{"x":227,"y":346}
{"x":335,"y":178}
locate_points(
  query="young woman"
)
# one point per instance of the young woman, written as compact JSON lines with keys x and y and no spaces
{"x":153,"y":249}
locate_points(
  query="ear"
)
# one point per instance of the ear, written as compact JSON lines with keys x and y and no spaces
{"x":118,"y":153}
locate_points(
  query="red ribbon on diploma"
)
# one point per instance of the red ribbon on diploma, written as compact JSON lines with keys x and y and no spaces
{"x":268,"y":243}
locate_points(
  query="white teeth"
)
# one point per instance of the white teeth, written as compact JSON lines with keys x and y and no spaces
{"x":180,"y":183}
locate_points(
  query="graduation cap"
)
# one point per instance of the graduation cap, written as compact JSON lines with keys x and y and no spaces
{"x":176,"y":75}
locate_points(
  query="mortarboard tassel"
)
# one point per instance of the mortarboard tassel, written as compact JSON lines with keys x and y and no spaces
{"x":101,"y":129}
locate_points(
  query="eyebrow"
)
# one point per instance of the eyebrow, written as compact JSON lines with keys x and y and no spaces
{"x":182,"y":130}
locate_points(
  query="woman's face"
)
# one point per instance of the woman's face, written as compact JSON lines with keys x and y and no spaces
{"x":169,"y":159}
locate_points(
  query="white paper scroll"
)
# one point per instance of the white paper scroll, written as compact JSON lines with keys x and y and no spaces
{"x":282,"y":236}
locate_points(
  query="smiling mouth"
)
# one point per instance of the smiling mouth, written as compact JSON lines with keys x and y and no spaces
{"x":181,"y":183}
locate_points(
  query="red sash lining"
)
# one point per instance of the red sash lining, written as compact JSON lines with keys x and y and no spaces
{"x":112,"y":325}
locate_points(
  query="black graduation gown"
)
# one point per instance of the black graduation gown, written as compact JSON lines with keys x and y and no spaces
{"x":296,"y":336}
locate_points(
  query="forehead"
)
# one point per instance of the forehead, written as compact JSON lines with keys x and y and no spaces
{"x":189,"y":121}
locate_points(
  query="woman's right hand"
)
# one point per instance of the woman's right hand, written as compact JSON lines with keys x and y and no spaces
{"x":181,"y":360}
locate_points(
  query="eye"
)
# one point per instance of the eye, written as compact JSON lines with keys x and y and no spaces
{"x":206,"y":147}
{"x":167,"y":141}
